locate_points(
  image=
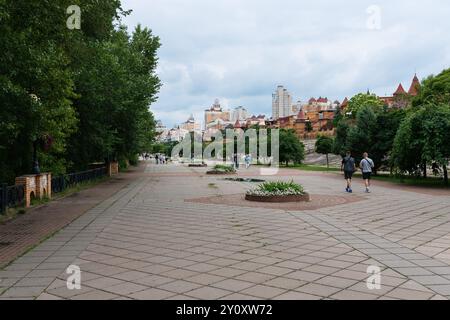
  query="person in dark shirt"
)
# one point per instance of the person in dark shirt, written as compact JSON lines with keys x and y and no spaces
{"x":349,"y":167}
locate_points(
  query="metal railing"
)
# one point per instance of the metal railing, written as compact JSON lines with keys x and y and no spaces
{"x":11,"y":196}
{"x":61,"y":183}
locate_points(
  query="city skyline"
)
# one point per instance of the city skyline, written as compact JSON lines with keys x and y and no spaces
{"x":313,"y":49}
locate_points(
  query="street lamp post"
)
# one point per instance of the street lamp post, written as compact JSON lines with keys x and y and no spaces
{"x":35,"y":166}
{"x":35,"y":169}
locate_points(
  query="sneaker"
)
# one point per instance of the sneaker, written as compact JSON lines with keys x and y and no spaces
{"x":350,"y":191}
{"x":367,"y":190}
{"x":346,"y":189}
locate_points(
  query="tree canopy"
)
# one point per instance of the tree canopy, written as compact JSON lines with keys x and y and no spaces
{"x":362,"y":100}
{"x":324,"y":145}
{"x":87,"y":91}
{"x":291,"y":148}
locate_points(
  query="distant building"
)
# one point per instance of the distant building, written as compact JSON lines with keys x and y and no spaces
{"x":161,"y":131}
{"x":238,"y":114}
{"x":313,"y":118}
{"x":308,"y":125}
{"x":216,"y":116}
{"x":176,"y":135}
{"x":190,"y":125}
{"x":400,"y":98}
{"x":281,"y":103}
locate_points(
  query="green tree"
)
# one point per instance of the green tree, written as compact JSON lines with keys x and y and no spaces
{"x":387,"y":124}
{"x":36,"y":85}
{"x":88,"y":91}
{"x":360,"y":136}
{"x":342,"y":129}
{"x":361,"y":100}
{"x":291,"y":148}
{"x":434,"y":90}
{"x":324,"y":145}
{"x":423,"y":139}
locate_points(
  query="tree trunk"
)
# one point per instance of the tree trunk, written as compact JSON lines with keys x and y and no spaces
{"x":445,"y":175}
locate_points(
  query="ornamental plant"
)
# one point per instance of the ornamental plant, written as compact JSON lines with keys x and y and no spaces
{"x":224,"y":168}
{"x":277,"y":188}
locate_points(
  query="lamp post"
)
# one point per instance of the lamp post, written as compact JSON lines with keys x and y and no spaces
{"x":35,"y":163}
{"x":35,"y":169}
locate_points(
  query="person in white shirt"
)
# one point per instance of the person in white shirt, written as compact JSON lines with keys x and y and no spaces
{"x":366,"y":165}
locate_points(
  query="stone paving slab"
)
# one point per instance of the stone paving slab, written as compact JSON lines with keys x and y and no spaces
{"x":147,"y":242}
{"x":20,"y":234}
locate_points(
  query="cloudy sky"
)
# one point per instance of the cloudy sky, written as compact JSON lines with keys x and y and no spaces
{"x":240,"y":50}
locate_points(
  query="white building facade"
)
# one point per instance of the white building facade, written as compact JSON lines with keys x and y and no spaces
{"x":281,"y":103}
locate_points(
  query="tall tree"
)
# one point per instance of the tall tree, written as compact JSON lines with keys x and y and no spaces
{"x":423,"y":138}
{"x":357,"y":102}
{"x":324,"y":145}
{"x":434,"y":89}
{"x":36,"y":85}
{"x":291,"y":148}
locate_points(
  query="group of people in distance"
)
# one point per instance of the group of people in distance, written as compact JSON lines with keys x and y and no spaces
{"x":349,"y":167}
{"x":160,"y":159}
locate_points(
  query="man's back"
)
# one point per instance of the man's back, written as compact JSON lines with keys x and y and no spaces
{"x":349,"y":164}
{"x":366,"y":165}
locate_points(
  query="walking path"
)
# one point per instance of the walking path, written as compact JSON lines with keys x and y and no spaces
{"x":153,"y":239}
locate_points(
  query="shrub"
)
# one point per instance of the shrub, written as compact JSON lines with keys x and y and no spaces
{"x":225,"y":168}
{"x":278,"y":188}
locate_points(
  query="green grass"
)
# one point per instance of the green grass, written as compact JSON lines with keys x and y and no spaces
{"x":430,"y":182}
{"x":225,"y":168}
{"x":308,"y":167}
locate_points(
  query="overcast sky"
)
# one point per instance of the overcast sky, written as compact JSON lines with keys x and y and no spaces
{"x":240,"y":50}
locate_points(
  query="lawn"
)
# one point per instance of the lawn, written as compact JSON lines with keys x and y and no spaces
{"x":430,"y":182}
{"x":307,"y":167}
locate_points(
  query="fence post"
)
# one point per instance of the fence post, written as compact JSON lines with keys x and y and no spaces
{"x":3,"y":197}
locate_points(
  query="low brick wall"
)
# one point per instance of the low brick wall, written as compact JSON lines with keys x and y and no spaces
{"x":36,"y":185}
{"x":113,"y":168}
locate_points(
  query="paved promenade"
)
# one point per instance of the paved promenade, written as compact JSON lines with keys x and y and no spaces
{"x":175,"y":233}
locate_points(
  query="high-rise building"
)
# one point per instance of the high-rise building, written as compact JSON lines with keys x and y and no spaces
{"x":215,"y":113}
{"x":281,"y":103}
{"x":239,"y":114}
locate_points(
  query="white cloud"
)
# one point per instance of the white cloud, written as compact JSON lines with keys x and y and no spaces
{"x":240,"y":50}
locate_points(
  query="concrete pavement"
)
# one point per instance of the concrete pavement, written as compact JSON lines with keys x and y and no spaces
{"x":153,"y":240}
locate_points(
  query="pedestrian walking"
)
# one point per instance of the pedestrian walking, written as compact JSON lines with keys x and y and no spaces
{"x":248,"y":161}
{"x":157,"y":158}
{"x":349,"y":167}
{"x":236,"y":161}
{"x":366,"y":166}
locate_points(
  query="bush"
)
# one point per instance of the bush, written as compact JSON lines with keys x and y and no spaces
{"x":134,"y":160}
{"x":278,"y":188}
{"x":225,"y":168}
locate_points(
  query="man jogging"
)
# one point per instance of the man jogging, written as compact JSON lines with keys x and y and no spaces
{"x":349,"y":167}
{"x":366,"y":166}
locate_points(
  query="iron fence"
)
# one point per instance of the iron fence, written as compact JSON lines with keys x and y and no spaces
{"x":11,"y":196}
{"x":63,"y":182}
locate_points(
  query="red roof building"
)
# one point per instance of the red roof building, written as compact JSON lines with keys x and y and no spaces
{"x":414,"y":88}
{"x":399,"y":90}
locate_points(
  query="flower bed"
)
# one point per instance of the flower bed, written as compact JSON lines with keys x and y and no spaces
{"x":278,"y":192}
{"x":222,"y":169}
{"x":198,"y":165}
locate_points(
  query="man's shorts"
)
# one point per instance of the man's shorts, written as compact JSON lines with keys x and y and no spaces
{"x":348,"y":174}
{"x":367,"y":175}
